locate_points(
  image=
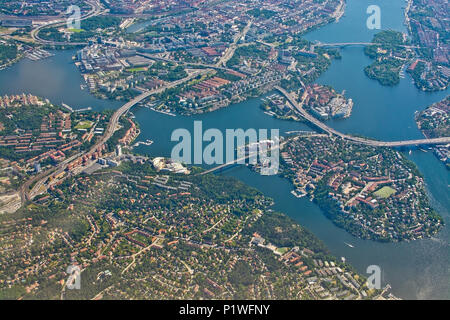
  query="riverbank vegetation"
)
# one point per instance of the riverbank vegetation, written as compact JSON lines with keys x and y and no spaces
{"x":8,"y":52}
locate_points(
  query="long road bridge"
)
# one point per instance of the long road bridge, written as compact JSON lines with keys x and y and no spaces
{"x":358,"y":44}
{"x":322,"y":126}
{"x":342,"y":44}
{"x":240,"y":160}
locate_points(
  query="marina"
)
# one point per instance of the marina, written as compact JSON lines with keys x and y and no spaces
{"x":67,"y":107}
{"x":83,"y":109}
{"x":38,"y":54}
{"x":147,"y":142}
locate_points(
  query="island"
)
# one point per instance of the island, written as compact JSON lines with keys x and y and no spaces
{"x":391,"y":53}
{"x":371,"y":192}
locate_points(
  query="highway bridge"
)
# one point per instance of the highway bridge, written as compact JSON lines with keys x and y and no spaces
{"x":240,"y":160}
{"x":357,"y":44}
{"x":330,"y":131}
{"x":322,"y":126}
{"x":223,"y":166}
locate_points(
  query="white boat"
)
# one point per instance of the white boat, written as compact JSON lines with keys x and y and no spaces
{"x":350,"y":245}
{"x":297,"y":194}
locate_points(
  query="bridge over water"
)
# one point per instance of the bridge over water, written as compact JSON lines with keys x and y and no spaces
{"x":358,"y":44}
{"x":330,"y":131}
{"x":375,"y":143}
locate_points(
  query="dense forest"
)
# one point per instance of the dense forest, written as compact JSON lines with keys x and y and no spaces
{"x":7,"y":53}
{"x":390,"y":56}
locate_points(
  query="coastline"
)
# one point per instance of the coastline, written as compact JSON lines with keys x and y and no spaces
{"x":12,"y":62}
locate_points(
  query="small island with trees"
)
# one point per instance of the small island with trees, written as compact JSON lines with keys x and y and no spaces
{"x":390,"y":52}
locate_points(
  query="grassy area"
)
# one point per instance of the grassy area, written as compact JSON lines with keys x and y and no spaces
{"x":84,"y":125}
{"x":195,"y":81}
{"x":75,"y":30}
{"x":140,"y":69}
{"x":385,"y":192}
{"x":283,"y":250}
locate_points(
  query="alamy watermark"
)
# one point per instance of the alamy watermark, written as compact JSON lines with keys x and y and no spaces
{"x":374,"y":20}
{"x":374,"y":280}
{"x":74,"y":279}
{"x":252,"y":146}
{"x":74,"y":20}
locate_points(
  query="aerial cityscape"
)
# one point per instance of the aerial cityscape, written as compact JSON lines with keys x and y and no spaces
{"x":224,"y":150}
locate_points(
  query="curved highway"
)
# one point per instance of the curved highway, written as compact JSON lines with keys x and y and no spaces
{"x":95,"y":11}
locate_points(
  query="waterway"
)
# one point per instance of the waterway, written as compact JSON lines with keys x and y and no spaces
{"x":418,"y":269}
